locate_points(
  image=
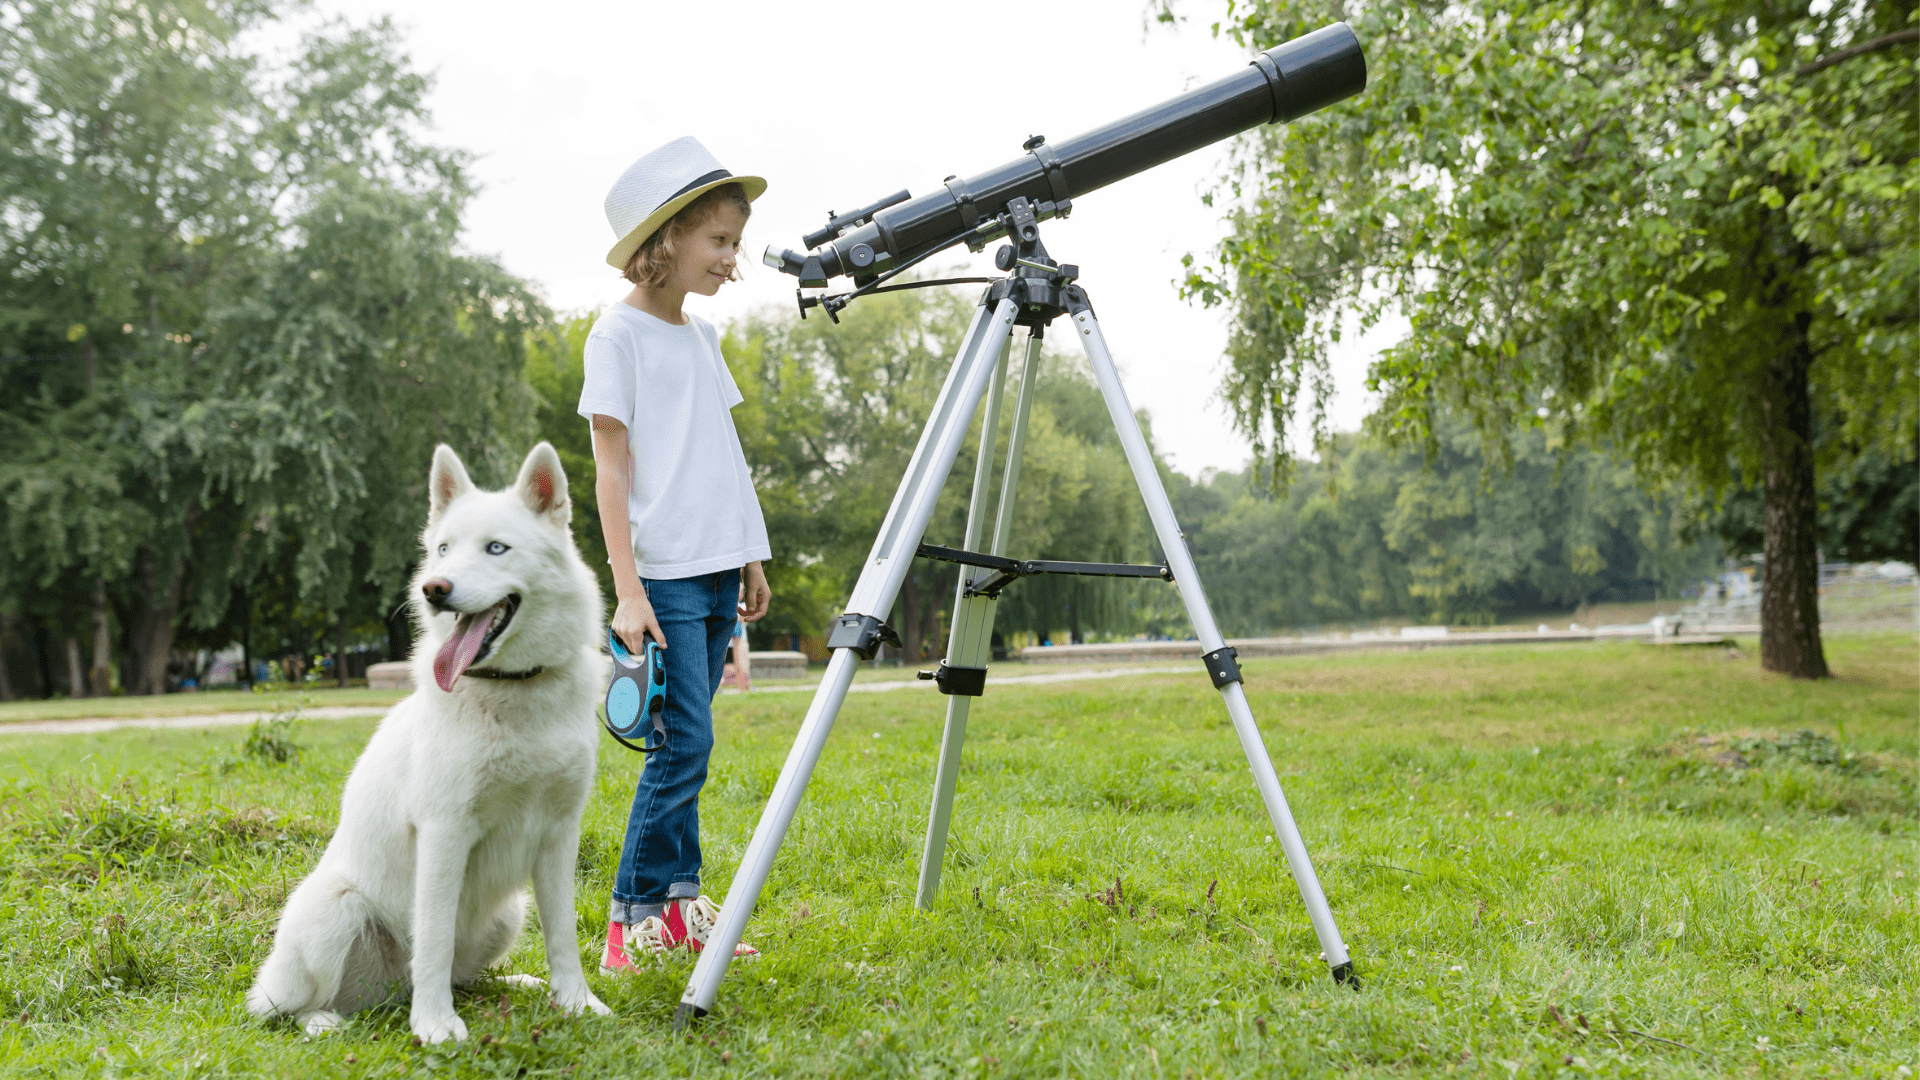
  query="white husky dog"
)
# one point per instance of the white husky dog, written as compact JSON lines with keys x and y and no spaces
{"x":471,"y":785}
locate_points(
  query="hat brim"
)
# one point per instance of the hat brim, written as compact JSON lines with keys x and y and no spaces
{"x":623,"y":250}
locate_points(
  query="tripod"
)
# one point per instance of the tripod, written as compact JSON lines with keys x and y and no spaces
{"x":1036,"y":292}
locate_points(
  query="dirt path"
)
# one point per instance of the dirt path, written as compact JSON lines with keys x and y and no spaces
{"x":93,"y":724}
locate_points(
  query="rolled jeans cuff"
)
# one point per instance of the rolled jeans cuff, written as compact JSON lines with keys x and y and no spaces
{"x":634,"y":912}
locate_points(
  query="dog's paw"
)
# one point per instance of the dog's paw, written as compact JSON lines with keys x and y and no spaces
{"x":579,"y":1001}
{"x":439,"y":1029}
{"x":321,"y":1021}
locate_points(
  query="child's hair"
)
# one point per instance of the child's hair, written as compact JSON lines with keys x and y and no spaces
{"x":653,"y":261}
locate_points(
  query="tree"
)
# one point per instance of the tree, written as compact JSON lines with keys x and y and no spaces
{"x":1370,"y":531}
{"x":1673,"y":229}
{"x":1077,"y":501}
{"x":234,"y":321}
{"x":831,"y":417}
{"x":1869,"y":505}
{"x":556,"y":370}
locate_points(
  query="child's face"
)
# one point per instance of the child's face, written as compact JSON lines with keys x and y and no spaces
{"x":706,"y":257}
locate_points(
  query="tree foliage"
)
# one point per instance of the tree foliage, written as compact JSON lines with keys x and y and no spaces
{"x":1374,"y":532}
{"x":233,"y":323}
{"x":832,"y":415}
{"x":1679,"y":228}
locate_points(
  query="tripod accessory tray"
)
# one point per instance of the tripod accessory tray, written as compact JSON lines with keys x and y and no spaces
{"x":637,"y":694}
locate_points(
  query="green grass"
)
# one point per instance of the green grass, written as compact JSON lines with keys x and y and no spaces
{"x":1532,"y":853}
{"x":211,"y":701}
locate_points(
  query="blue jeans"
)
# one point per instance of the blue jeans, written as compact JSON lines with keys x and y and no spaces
{"x":660,"y":859}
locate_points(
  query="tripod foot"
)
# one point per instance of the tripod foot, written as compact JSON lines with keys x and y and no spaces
{"x":1343,"y":975}
{"x":689,"y":1011}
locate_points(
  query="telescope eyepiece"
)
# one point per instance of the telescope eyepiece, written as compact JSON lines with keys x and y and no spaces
{"x":805,"y":267}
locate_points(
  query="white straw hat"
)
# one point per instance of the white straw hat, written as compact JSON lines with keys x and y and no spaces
{"x":658,"y":186}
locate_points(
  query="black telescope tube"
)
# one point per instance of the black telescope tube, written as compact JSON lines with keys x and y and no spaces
{"x":1284,"y":83}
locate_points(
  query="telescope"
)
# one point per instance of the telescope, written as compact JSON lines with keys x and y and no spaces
{"x":886,"y":237}
{"x":890,"y":235}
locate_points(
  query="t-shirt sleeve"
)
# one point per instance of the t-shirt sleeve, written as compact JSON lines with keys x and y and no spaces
{"x":730,"y":394}
{"x":608,"y":386}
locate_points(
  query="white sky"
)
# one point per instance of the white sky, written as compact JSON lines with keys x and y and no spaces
{"x":837,"y":104}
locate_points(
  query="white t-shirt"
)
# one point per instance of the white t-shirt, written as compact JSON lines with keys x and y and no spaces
{"x":691,"y":503}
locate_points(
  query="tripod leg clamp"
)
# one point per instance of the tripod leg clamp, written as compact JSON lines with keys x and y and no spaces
{"x":965,"y":681}
{"x":861,"y":633}
{"x":1223,"y":666}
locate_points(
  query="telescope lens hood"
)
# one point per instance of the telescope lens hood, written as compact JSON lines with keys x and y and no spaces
{"x":1313,"y":71}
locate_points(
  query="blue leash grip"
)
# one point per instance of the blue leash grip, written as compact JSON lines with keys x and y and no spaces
{"x":637,"y":696}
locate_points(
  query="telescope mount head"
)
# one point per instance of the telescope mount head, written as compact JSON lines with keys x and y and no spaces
{"x":1040,"y":282}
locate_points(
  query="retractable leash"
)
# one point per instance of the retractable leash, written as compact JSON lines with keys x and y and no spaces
{"x":638,"y":693}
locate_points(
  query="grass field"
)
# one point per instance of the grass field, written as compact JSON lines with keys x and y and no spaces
{"x":1583,"y":860}
{"x":325,"y":695}
{"x":214,"y":701}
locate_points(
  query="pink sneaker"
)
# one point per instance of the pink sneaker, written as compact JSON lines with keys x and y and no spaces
{"x":629,"y":942}
{"x":689,"y":922}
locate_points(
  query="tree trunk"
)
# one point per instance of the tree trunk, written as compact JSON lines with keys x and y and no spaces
{"x":246,"y":642}
{"x":400,"y":632}
{"x":911,"y":640}
{"x":101,"y":676}
{"x":1790,"y":585}
{"x":340,"y":650}
{"x":6,"y":634}
{"x":76,"y":671}
{"x":930,"y":621}
{"x":151,"y":637}
{"x":40,"y":655}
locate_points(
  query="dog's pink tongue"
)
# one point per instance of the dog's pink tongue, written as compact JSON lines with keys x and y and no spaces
{"x":458,"y":654}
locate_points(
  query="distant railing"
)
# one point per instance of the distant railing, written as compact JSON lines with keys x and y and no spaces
{"x":1851,"y":595}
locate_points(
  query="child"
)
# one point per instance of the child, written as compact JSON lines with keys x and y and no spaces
{"x":674,"y":491}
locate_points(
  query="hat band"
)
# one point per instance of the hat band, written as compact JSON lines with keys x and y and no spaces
{"x":717,"y":174}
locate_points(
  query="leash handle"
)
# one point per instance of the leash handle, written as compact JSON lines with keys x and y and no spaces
{"x":638,"y":689}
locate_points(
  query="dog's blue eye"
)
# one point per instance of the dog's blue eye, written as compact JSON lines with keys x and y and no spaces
{"x":443,"y":549}
{"x":496,"y":548}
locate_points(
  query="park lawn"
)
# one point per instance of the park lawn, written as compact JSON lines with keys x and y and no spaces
{"x":204,"y":703}
{"x":273,"y":698}
{"x":1585,"y":860}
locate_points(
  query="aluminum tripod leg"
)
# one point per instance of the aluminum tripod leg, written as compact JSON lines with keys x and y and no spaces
{"x":886,"y":566}
{"x":1187,"y":579}
{"x":970,"y":638}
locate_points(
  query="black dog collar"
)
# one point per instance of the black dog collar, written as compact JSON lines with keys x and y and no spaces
{"x":515,"y":676}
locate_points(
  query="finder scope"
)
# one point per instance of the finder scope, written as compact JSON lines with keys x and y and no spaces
{"x":1284,"y":83}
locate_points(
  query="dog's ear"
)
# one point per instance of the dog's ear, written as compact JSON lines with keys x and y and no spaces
{"x":446,"y":481}
{"x":543,"y":484}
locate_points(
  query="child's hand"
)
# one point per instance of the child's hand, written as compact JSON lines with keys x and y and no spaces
{"x":634,"y":617}
{"x":754,"y":594}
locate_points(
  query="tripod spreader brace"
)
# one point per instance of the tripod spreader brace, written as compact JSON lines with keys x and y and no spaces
{"x":1007,"y":571}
